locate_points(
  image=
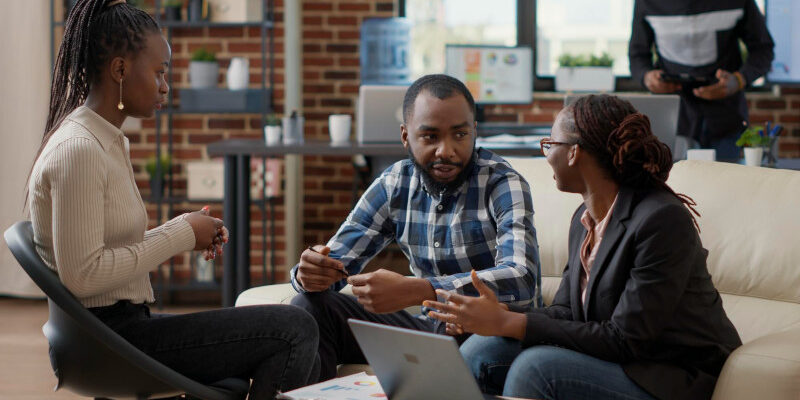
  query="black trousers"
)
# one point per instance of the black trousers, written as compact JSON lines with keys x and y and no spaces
{"x":337,"y":345}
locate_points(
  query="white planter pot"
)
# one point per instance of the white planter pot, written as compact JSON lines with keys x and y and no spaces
{"x":272,"y":135}
{"x":752,"y":156}
{"x":584,"y":79}
{"x":203,"y":74}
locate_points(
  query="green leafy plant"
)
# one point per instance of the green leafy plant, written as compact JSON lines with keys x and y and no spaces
{"x":273,"y":120}
{"x":150,"y":165}
{"x":753,"y":136}
{"x":203,"y":54}
{"x":568,"y":60}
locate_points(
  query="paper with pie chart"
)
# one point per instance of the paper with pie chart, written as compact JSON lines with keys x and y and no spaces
{"x":352,"y":387}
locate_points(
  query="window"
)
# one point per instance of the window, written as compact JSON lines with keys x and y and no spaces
{"x":582,"y":27}
{"x":440,"y":22}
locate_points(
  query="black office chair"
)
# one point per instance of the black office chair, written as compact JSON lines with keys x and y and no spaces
{"x":88,"y":357}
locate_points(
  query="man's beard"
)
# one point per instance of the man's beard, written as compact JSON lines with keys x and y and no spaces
{"x":437,"y":187}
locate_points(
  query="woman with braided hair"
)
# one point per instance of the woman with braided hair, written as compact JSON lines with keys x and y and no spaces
{"x":636,"y":315}
{"x":90,"y":224}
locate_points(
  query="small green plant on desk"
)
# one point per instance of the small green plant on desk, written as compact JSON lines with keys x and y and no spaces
{"x":568,"y":60}
{"x":204,"y":54}
{"x":753,"y":136}
{"x":157,"y":174}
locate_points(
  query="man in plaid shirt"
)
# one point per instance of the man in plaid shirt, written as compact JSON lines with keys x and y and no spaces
{"x":450,"y":207}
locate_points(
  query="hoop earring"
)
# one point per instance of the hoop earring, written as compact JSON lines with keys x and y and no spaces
{"x":120,"y":106}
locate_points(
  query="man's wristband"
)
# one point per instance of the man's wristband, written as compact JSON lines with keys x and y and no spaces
{"x":740,"y":79}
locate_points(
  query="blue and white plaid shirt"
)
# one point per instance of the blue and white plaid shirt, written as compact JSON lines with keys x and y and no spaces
{"x":486,"y":225}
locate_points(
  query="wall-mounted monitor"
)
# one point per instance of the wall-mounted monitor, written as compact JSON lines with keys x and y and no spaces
{"x":783,"y":23}
{"x":493,"y":74}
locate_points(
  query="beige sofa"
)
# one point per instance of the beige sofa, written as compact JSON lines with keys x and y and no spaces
{"x":751,"y":226}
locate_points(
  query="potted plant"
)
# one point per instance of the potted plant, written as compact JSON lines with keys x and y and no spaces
{"x":582,"y":74}
{"x":203,"y":69}
{"x":172,"y":10}
{"x":157,"y":174}
{"x":272,"y":130}
{"x":753,"y":141}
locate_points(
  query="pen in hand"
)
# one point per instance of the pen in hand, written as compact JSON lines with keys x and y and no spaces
{"x":340,"y":270}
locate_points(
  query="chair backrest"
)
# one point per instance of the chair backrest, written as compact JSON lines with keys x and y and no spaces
{"x":87,"y":356}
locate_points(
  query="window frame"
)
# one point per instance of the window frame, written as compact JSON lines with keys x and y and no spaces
{"x":526,"y":36}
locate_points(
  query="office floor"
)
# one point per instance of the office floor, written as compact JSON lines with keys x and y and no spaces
{"x":25,"y":372}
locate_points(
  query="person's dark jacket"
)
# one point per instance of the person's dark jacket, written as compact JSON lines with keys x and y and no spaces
{"x":650,"y":303}
{"x":699,"y":37}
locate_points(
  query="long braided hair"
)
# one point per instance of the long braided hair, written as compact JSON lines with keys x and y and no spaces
{"x":620,"y":138}
{"x":95,"y":32}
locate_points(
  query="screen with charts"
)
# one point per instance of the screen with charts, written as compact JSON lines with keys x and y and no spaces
{"x":493,"y":74}
{"x":782,"y":23}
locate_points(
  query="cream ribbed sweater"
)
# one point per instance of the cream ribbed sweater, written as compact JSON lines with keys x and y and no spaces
{"x":89,"y":221}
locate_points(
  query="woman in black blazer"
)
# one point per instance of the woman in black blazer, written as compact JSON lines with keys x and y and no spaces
{"x":636,"y":315}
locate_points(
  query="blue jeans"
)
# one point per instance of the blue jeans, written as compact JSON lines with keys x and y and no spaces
{"x":501,"y":365}
{"x":275,"y":345}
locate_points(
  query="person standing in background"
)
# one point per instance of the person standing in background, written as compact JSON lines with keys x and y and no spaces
{"x":702,"y":39}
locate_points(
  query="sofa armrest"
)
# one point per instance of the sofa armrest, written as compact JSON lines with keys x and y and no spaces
{"x":765,"y":368}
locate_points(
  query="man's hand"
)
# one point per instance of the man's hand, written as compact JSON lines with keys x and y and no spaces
{"x":483,"y":315}
{"x":726,"y":85}
{"x":316,"y":271}
{"x":385,"y":291}
{"x":655,"y":84}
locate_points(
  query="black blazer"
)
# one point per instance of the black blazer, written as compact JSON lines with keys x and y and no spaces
{"x":650,"y":303}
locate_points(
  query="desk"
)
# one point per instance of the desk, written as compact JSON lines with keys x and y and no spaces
{"x":236,"y":203}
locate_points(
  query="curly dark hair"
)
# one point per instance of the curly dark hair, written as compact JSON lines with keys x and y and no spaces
{"x":620,"y":138}
{"x":95,"y":32}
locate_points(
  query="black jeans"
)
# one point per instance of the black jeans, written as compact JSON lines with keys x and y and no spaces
{"x":274,"y":345}
{"x":336,"y":342}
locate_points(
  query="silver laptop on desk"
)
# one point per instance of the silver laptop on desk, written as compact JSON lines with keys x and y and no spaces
{"x":416,"y":365}
{"x":662,"y":111}
{"x":379,"y":113}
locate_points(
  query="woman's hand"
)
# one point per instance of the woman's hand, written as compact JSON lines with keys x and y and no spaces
{"x":206,"y":229}
{"x":483,"y":315}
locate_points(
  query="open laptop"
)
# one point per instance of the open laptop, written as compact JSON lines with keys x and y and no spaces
{"x":662,"y":111}
{"x":416,"y":365}
{"x":380,"y":113}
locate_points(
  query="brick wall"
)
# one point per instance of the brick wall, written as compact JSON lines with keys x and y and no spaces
{"x":331,"y":78}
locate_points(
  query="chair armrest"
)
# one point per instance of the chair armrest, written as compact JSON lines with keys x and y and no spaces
{"x":280,"y":293}
{"x":765,"y":368}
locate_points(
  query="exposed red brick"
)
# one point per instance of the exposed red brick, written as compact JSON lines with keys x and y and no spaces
{"x":341,"y":48}
{"x":788,"y":118}
{"x":353,"y":7}
{"x":181,"y":123}
{"x":187,"y":32}
{"x":187,"y":154}
{"x":204,"y":138}
{"x":538,"y":118}
{"x":312,"y":20}
{"x":214,"y":47}
{"x":760,"y":118}
{"x":176,"y":137}
{"x":317,"y":6}
{"x":771,"y":104}
{"x":349,"y":62}
{"x":240,"y":47}
{"x":317,"y":34}
{"x":349,"y":21}
{"x":311,"y":48}
{"x":317,"y":88}
{"x":226,"y":32}
{"x":218,"y":123}
{"x":336,"y":102}
{"x":384,"y":7}
{"x":347,"y":35}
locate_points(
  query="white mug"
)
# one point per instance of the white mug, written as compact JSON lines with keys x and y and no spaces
{"x":701,"y":154}
{"x":339,"y":128}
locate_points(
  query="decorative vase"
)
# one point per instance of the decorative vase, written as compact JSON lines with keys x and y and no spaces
{"x":203,"y":74}
{"x":752,"y":156}
{"x":238,"y":75}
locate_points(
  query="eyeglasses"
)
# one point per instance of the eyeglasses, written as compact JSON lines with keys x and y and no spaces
{"x":546,"y":143}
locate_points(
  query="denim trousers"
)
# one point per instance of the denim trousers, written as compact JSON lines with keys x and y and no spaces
{"x":274,"y":345}
{"x":501,"y":365}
